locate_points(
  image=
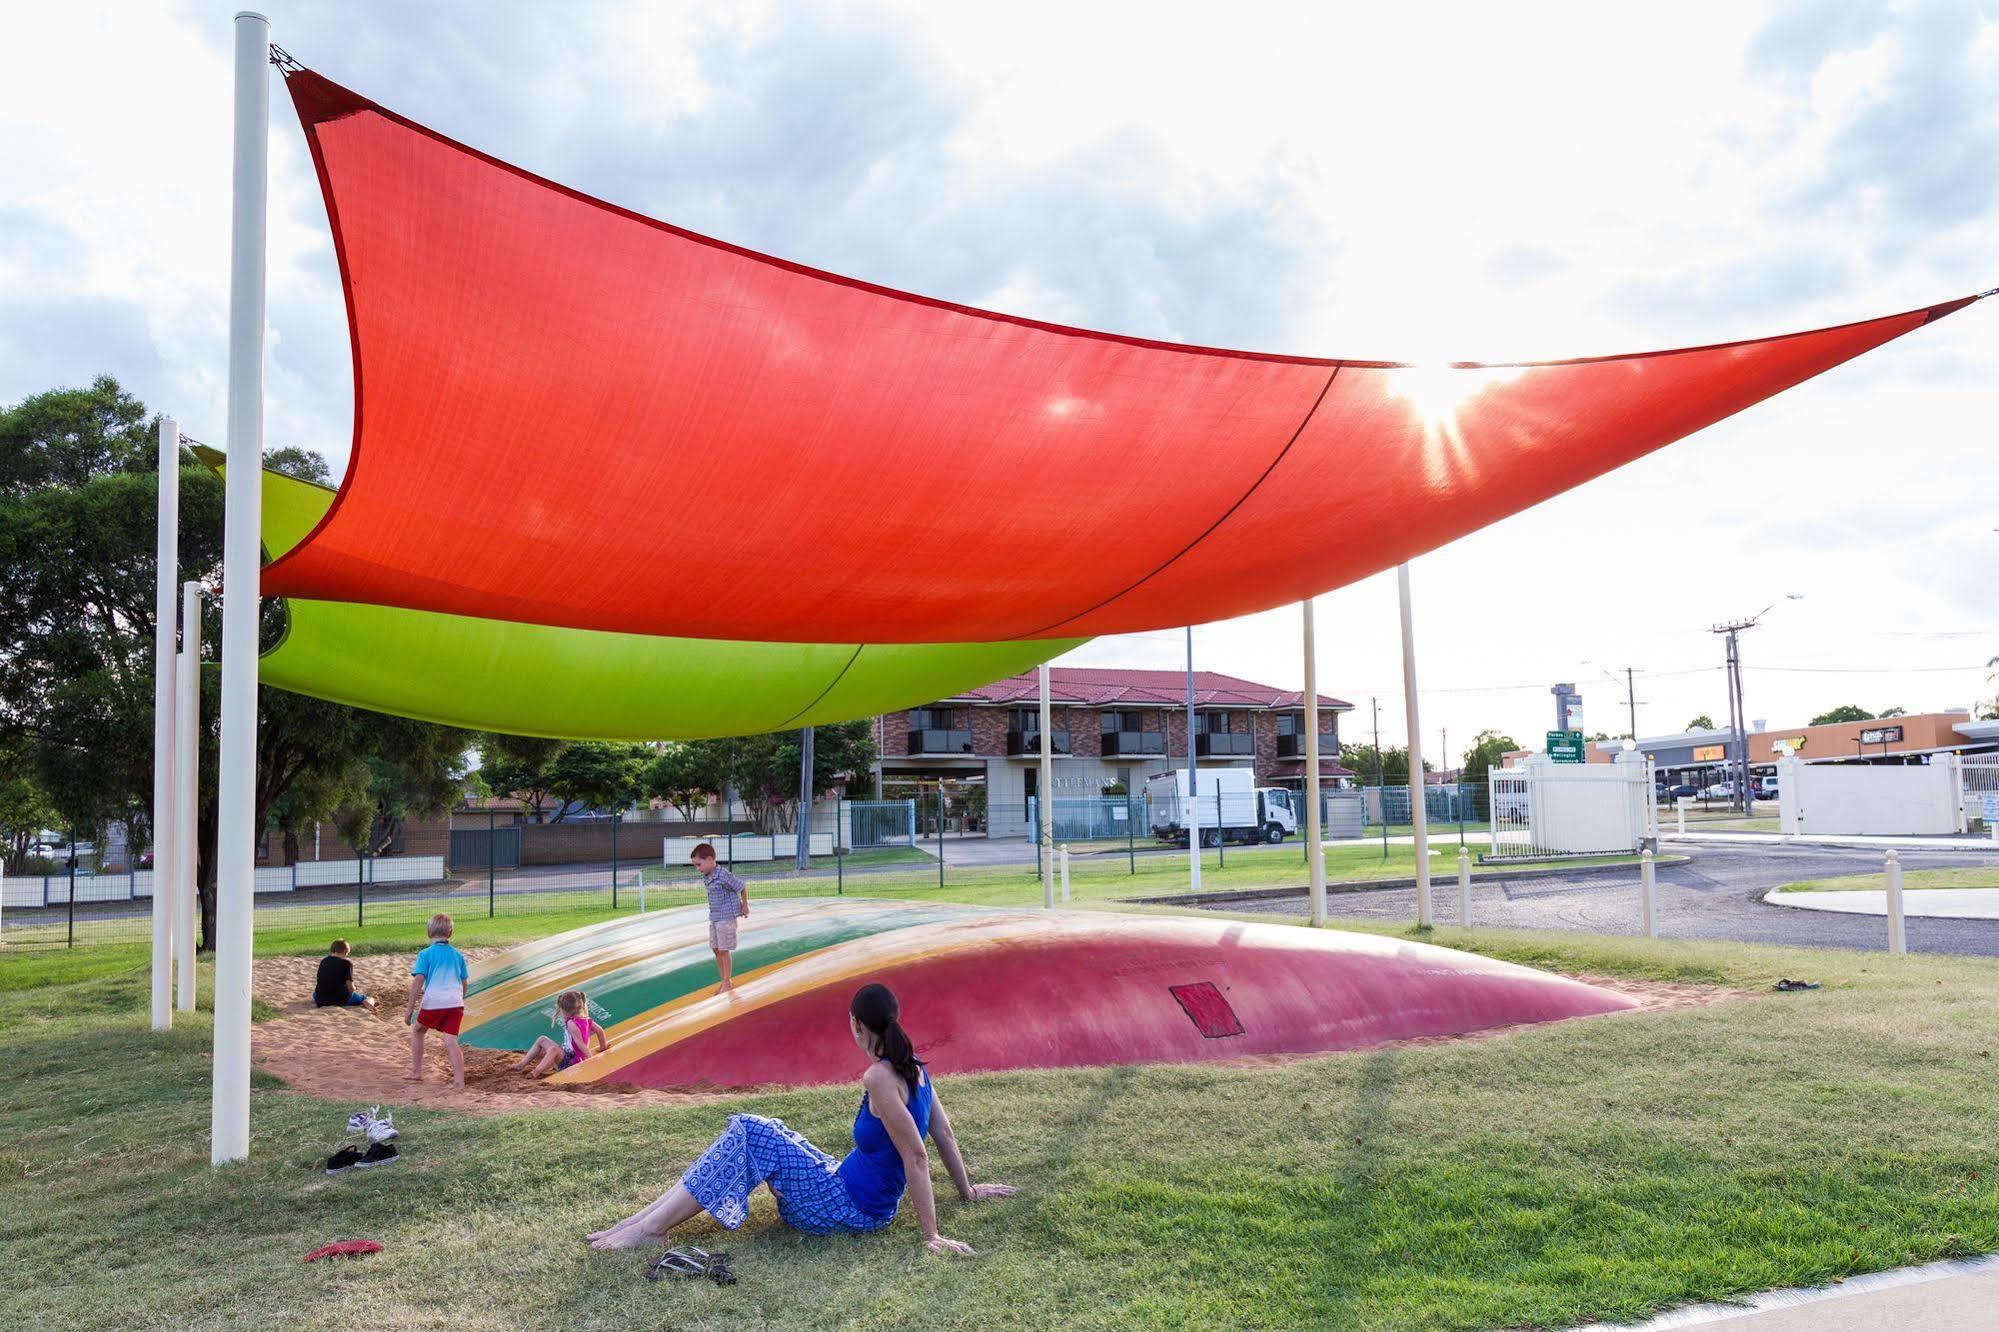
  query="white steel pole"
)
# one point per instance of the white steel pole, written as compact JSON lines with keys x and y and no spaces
{"x":166,"y":577}
{"x":1464,"y":886}
{"x":1418,"y":815}
{"x":1192,"y":813}
{"x":1047,"y":784}
{"x":1648,"y":894}
{"x":1065,"y":873}
{"x":236,"y":834}
{"x":1315,"y":851}
{"x":187,"y":794}
{"x":1897,"y":939}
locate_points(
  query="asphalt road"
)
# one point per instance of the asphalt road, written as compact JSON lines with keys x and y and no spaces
{"x":1716,"y":894}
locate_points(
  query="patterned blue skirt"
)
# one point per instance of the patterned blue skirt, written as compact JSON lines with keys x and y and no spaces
{"x":755,"y":1150}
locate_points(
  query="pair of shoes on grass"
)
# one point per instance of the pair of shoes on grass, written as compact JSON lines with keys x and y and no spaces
{"x":691,"y":1264}
{"x":378,"y":1124}
{"x":349,"y":1158}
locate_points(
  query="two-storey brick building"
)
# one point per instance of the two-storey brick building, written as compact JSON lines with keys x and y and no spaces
{"x":1108,"y":727}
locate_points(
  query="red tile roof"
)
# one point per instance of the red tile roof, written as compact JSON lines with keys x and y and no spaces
{"x":1102,"y":687}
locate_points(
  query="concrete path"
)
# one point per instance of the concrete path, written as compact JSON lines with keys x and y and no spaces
{"x":1963,"y":843}
{"x":1945,"y":903}
{"x":1717,"y":894}
{"x":1958,"y":1296}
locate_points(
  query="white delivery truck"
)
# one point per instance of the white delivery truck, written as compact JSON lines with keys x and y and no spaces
{"x":1232,"y":807}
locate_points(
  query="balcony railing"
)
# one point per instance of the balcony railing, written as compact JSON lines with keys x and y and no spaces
{"x":1124,"y":744}
{"x":933,"y":741}
{"x":1223,"y":743}
{"x":1028,"y":743}
{"x":1293,"y":746}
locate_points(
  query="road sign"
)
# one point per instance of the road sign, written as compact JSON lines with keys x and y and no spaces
{"x":1989,"y":801}
{"x":1565,"y":746}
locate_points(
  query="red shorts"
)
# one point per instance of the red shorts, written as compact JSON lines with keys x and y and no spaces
{"x":445,"y":1020}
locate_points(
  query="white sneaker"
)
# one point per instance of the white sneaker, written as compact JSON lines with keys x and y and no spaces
{"x":382,"y":1128}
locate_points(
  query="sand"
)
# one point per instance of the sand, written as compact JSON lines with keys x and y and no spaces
{"x":346,"y":1055}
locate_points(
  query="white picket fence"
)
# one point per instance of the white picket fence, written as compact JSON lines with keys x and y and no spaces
{"x":53,"y":889}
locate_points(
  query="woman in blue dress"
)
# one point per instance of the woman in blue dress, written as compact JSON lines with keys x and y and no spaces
{"x":816,"y":1193}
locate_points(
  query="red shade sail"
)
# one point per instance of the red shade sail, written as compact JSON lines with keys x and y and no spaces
{"x":569,"y":414}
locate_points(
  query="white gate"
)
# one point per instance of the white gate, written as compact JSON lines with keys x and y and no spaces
{"x":1543,"y":809}
{"x":1981,"y":779}
{"x":1870,"y":799}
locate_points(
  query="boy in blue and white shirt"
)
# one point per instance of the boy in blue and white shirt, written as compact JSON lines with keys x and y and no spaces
{"x":437,"y":1000}
{"x":728,"y":900}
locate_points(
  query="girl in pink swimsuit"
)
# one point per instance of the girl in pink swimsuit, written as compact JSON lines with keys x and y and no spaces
{"x":545,"y":1056}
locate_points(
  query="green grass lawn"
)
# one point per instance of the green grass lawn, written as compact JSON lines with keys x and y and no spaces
{"x":1969,"y":876}
{"x":1594,"y":1169}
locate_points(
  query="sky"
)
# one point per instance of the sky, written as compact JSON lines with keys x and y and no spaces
{"x":1420,"y":182}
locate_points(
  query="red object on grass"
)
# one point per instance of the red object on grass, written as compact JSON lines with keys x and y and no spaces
{"x":570,"y":414}
{"x":343,"y":1249}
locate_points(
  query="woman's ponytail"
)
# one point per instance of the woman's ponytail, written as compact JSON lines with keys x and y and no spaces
{"x":875,"y":1008}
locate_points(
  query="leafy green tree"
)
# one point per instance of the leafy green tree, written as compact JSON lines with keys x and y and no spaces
{"x":764,"y":768}
{"x":24,"y":810}
{"x":1845,"y":712}
{"x":77,"y":542}
{"x":1886,"y":713}
{"x":1390,"y":766}
{"x":597,"y":774}
{"x":518,"y":766}
{"x":1488,"y":751}
{"x":1989,"y":711}
{"x":66,"y":437}
{"x":1703,"y":722}
{"x":685,"y":776}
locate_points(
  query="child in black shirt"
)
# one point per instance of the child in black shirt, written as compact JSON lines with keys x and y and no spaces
{"x":334,"y":987}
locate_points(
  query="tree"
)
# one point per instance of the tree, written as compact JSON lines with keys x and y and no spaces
{"x":1989,"y":711}
{"x":1390,"y":766}
{"x":684,"y":776}
{"x":518,"y":766}
{"x":764,"y":768}
{"x":1845,"y":712}
{"x":596,"y":774}
{"x":1488,"y":751}
{"x":1703,"y":722}
{"x":78,"y":506}
{"x":1886,"y":713}
{"x":24,"y":810}
{"x":65,"y":437}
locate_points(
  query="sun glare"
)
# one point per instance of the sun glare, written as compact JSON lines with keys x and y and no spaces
{"x":1442,"y":394}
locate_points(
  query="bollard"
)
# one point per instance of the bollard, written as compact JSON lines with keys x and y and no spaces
{"x":1464,"y":887}
{"x":1064,"y":863}
{"x":1680,"y":804}
{"x":1648,"y":891}
{"x":1897,"y":941}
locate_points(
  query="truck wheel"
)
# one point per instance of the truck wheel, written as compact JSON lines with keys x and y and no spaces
{"x":1211,"y":837}
{"x":1274,"y":834}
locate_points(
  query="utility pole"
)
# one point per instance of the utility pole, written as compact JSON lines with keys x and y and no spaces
{"x":1380,"y":776}
{"x":1738,"y":715}
{"x":1631,"y":698}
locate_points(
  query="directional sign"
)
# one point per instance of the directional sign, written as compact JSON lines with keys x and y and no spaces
{"x":1565,"y":746}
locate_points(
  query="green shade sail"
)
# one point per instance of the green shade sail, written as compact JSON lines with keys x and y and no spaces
{"x":584,"y":684}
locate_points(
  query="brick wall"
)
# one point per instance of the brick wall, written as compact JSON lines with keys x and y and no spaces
{"x":989,"y":728}
{"x":581,"y":843}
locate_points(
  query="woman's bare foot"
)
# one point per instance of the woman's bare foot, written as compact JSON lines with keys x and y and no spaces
{"x":412,"y":1077}
{"x":624,"y":1235}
